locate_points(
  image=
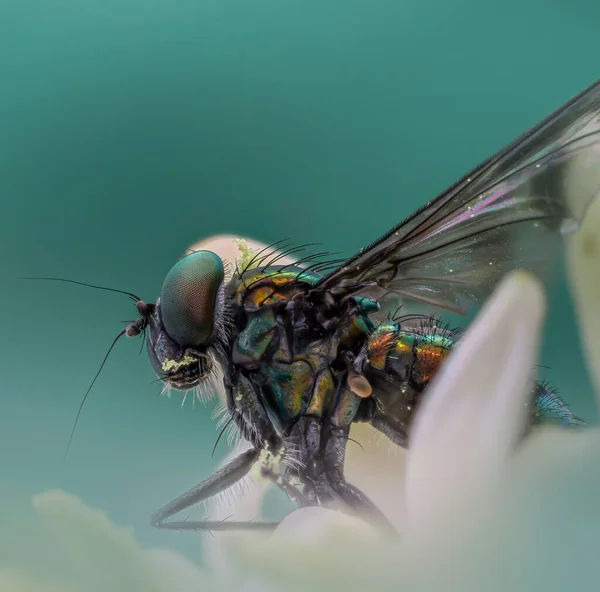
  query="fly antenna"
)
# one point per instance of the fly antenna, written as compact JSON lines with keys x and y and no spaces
{"x":53,"y":279}
{"x":123,"y":332}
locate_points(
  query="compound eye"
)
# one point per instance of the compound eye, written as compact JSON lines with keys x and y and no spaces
{"x":188,"y":298}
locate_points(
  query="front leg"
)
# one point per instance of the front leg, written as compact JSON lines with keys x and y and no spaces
{"x":244,"y":398}
{"x":248,"y":412}
{"x":224,"y":478}
{"x":218,"y":482}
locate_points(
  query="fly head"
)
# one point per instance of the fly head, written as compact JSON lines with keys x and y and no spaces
{"x":187,"y":329}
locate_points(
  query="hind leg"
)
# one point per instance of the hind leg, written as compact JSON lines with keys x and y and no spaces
{"x":334,"y":450}
{"x":321,"y":450}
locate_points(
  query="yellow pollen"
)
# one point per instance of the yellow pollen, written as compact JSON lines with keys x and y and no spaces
{"x":168,"y":365}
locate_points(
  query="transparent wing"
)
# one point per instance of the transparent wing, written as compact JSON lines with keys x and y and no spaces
{"x":510,"y":212}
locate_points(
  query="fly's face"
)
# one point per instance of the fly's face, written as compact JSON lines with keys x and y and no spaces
{"x":180,"y":367}
{"x":186,"y":329}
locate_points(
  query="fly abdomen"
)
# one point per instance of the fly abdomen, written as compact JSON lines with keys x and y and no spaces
{"x":402,"y":358}
{"x":548,"y":407}
{"x":409,"y":355}
{"x":402,"y":362}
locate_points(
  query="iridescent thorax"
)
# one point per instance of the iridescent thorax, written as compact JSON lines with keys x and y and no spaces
{"x":288,"y":353}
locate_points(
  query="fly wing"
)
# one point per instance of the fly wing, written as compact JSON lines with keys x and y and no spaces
{"x":509,"y":212}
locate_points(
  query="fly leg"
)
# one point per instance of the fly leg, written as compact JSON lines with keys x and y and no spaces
{"x":321,"y":448}
{"x":225,"y":477}
{"x":305,"y":440}
{"x":218,"y":482}
{"x":293,"y":493}
{"x":250,"y":417}
{"x":248,"y":412}
{"x":334,"y":451}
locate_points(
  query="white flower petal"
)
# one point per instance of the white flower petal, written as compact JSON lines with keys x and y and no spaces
{"x":95,"y":555}
{"x":584,"y":269}
{"x":377,"y":466}
{"x":316,"y":548}
{"x":314,"y":525}
{"x":227,"y":247}
{"x":474,"y":410}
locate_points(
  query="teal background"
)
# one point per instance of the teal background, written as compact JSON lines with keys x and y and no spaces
{"x":130,"y":129}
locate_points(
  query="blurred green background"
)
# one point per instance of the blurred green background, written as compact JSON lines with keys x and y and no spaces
{"x":130,"y":129}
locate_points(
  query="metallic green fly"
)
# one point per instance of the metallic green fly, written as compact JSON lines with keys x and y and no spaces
{"x":301,"y":350}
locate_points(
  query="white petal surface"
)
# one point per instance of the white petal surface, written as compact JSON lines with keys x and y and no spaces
{"x":584,"y":268}
{"x":377,"y":467}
